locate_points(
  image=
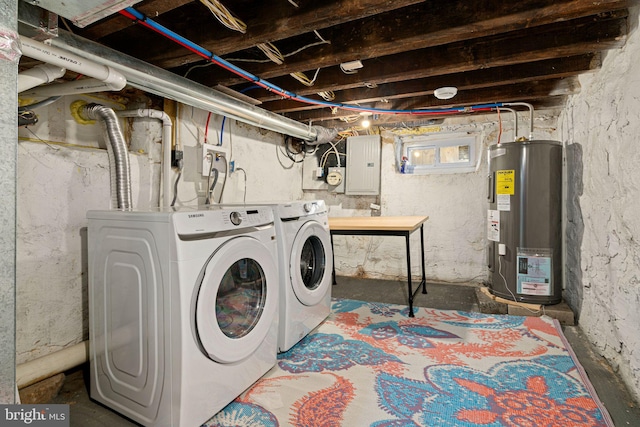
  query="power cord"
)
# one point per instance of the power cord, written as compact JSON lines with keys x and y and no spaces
{"x":512,"y":294}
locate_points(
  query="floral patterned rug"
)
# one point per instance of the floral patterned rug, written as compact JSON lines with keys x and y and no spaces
{"x":369,"y":364}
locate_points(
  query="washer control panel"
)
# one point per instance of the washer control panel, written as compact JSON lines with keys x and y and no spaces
{"x":218,"y":219}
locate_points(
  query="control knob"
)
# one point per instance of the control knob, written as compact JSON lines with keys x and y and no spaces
{"x":235,"y":218}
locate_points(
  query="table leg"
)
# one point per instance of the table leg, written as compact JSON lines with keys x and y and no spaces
{"x":424,"y":277}
{"x":409,"y":275}
{"x":333,"y":262}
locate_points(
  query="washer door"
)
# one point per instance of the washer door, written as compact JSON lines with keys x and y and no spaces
{"x":310,"y":263}
{"x":237,"y":300}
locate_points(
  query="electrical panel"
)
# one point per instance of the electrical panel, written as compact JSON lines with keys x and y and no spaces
{"x":363,"y":165}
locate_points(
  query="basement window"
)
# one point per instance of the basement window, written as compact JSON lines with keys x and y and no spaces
{"x":450,"y":153}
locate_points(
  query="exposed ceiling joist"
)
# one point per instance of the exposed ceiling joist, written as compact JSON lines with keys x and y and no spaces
{"x":491,"y":50}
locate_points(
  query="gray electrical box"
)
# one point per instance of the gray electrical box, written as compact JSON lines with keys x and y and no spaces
{"x":363,"y":165}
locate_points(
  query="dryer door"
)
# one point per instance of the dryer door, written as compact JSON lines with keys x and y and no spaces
{"x":237,"y":299}
{"x":311,"y":263}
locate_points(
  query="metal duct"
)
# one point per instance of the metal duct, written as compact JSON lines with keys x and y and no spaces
{"x":155,"y":80}
{"x":167,"y":131}
{"x":118,"y":154}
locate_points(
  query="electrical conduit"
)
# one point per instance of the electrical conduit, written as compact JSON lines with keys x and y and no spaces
{"x":167,"y":128}
{"x":119,"y":166}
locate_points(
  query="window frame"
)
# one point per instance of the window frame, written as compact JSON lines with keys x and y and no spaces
{"x":411,"y":143}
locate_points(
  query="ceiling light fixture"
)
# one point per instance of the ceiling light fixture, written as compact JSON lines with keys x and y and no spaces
{"x":446,"y":92}
{"x":365,"y":119}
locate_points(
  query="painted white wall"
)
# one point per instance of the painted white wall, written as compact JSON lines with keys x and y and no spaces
{"x":268,"y":173}
{"x":456,"y":204}
{"x":600,"y":127}
{"x":63,"y":171}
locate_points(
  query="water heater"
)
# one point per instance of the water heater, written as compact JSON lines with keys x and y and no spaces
{"x":524,"y":226}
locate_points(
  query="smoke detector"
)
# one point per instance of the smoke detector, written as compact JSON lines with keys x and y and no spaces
{"x":447,"y":92}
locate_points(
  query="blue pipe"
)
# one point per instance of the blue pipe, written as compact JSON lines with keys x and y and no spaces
{"x":210,"y":56}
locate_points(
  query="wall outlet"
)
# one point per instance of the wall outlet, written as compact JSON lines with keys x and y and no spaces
{"x":212,"y":156}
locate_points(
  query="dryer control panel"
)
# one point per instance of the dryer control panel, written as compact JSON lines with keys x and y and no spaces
{"x":301,"y":208}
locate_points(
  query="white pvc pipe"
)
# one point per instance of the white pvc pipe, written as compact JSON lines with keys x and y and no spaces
{"x":62,"y":58}
{"x":40,"y":74}
{"x":70,"y":88}
{"x":164,"y":83}
{"x":52,"y":364}
{"x":167,"y":127}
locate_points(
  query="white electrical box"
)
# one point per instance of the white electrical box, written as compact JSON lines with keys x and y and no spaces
{"x":363,"y":165}
{"x":212,"y":157}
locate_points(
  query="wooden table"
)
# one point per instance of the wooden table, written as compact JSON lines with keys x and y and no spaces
{"x":384,"y":226}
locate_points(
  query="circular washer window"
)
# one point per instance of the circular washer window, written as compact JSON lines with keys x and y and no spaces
{"x":241,"y":297}
{"x":312,"y":262}
{"x":237,"y":299}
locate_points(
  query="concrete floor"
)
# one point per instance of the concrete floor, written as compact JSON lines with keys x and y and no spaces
{"x":613,"y":393}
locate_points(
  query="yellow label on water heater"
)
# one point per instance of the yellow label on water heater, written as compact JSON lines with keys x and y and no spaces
{"x":505,"y":182}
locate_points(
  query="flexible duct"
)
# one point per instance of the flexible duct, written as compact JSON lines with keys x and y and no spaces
{"x":119,"y":166}
{"x":155,"y":80}
{"x":40,"y":74}
{"x":167,"y":127}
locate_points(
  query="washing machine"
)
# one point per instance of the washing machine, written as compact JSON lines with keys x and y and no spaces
{"x":306,"y":264}
{"x":183,"y":309}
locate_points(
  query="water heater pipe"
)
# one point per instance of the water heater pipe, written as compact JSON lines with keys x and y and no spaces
{"x":515,"y":120}
{"x":118,"y":154}
{"x":530,"y":107}
{"x":167,"y":129}
{"x":40,"y":74}
{"x":61,"y":58}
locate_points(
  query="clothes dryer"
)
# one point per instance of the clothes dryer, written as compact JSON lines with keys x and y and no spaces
{"x":183,"y":309}
{"x":306,"y":264}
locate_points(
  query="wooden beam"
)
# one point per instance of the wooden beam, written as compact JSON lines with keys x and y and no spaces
{"x":267,"y":21}
{"x":477,"y":79}
{"x":556,"y":103}
{"x":413,"y":28}
{"x":558,"y":40}
{"x":524,"y":92}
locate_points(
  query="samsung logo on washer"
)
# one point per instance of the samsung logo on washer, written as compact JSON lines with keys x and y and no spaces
{"x":196,"y":215}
